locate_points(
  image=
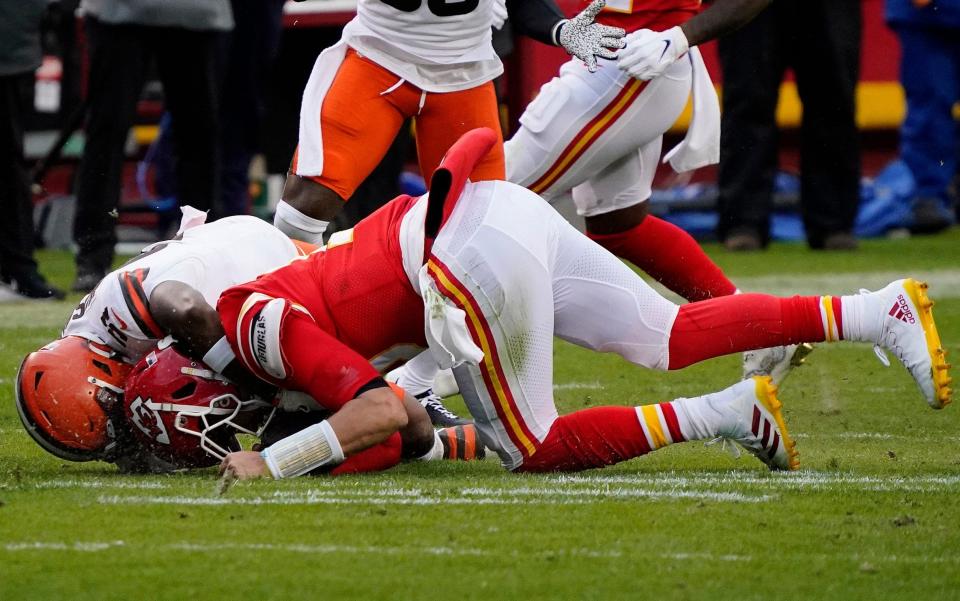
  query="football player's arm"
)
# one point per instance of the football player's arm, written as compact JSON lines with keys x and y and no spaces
{"x":580,"y":36}
{"x":649,"y":53}
{"x":377,"y":411}
{"x":182,"y":312}
{"x":720,"y":18}
{"x":537,"y":19}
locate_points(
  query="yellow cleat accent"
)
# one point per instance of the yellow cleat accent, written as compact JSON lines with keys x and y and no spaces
{"x":767,"y":394}
{"x":940,"y":369}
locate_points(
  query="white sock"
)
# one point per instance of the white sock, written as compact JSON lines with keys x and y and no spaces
{"x":860,"y":321}
{"x":416,"y":376}
{"x":697,"y":417}
{"x":435,"y":453}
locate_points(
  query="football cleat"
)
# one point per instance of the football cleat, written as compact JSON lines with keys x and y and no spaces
{"x":438,"y":412}
{"x":776,"y":361}
{"x":908,"y":331}
{"x":752,"y":417}
{"x":462,"y":443}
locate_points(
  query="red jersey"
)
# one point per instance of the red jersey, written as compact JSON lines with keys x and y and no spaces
{"x":657,"y":15}
{"x":354,"y":303}
{"x":356,"y":289}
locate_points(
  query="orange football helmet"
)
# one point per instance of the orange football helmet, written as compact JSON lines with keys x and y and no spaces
{"x":66,"y":393}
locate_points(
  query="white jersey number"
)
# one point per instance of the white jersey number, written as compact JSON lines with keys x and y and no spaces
{"x":441,"y":8}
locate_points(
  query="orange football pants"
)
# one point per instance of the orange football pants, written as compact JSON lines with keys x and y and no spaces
{"x":364,"y":109}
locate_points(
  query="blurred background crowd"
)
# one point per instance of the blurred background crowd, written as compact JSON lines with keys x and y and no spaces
{"x":840,"y":121}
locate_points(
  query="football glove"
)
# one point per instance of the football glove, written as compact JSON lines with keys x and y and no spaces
{"x":649,"y":53}
{"x":586,"y":40}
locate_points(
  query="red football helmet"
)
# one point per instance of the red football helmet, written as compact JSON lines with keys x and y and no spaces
{"x":66,"y":394}
{"x":185,"y":413}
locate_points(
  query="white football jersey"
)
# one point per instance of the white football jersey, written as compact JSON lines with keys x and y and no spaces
{"x":437,"y":45}
{"x":210,"y":257}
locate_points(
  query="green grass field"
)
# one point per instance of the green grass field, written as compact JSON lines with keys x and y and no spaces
{"x":871,"y":514}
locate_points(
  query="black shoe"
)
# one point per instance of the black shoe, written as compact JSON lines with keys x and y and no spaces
{"x":743,"y":242}
{"x":930,"y":216}
{"x":87,"y":279}
{"x":840,"y":241}
{"x":438,"y":412}
{"x":34,"y":287}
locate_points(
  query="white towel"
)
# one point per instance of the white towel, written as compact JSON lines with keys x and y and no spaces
{"x":310,"y":150}
{"x":446,"y":328}
{"x":191,"y":218}
{"x":701,"y":145}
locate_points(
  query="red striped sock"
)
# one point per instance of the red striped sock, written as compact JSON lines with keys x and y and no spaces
{"x":602,"y":436}
{"x":671,"y":256}
{"x":732,"y":324}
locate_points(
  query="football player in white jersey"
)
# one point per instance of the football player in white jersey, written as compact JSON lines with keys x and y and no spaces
{"x":431,"y":60}
{"x":66,"y":388}
{"x":68,"y":392}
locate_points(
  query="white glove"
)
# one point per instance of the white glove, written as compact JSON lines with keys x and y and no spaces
{"x":649,"y":53}
{"x":298,"y":226}
{"x":499,"y":9}
{"x":586,"y":40}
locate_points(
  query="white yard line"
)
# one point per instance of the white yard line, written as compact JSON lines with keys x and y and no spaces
{"x":479,"y":496}
{"x":595,"y":385}
{"x":93,"y":483}
{"x":443,"y":551}
{"x":786,"y":481}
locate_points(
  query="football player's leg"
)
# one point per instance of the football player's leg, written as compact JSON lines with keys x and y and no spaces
{"x":557,"y":145}
{"x":898,"y":318}
{"x":445,"y":117}
{"x":345,"y":130}
{"x":508,"y":314}
{"x":747,"y":412}
{"x":615,"y":205}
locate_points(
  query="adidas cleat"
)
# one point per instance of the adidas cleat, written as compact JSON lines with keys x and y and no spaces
{"x":755,"y":422}
{"x":461,"y":443}
{"x":776,"y":361}
{"x":908,"y":331}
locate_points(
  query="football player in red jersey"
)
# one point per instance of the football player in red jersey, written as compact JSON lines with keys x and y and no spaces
{"x":485,"y":275}
{"x":597,"y":136}
{"x":426,"y":59}
{"x":68,"y":392}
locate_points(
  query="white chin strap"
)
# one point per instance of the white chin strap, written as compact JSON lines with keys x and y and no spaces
{"x":298,"y":226}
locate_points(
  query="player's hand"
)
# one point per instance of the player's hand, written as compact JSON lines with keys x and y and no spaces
{"x":649,"y":53}
{"x":499,"y":8}
{"x":586,"y":40}
{"x":244,"y":465}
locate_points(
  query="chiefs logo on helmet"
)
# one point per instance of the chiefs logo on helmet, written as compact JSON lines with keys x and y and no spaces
{"x":148,"y":420}
{"x":185,"y":413}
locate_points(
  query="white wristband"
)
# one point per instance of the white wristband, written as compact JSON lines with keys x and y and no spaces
{"x":304,"y":451}
{"x":219,"y":356}
{"x":298,"y":226}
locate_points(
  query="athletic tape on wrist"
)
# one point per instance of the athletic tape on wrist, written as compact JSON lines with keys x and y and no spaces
{"x":304,"y":451}
{"x":295,"y":224}
{"x":219,"y":356}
